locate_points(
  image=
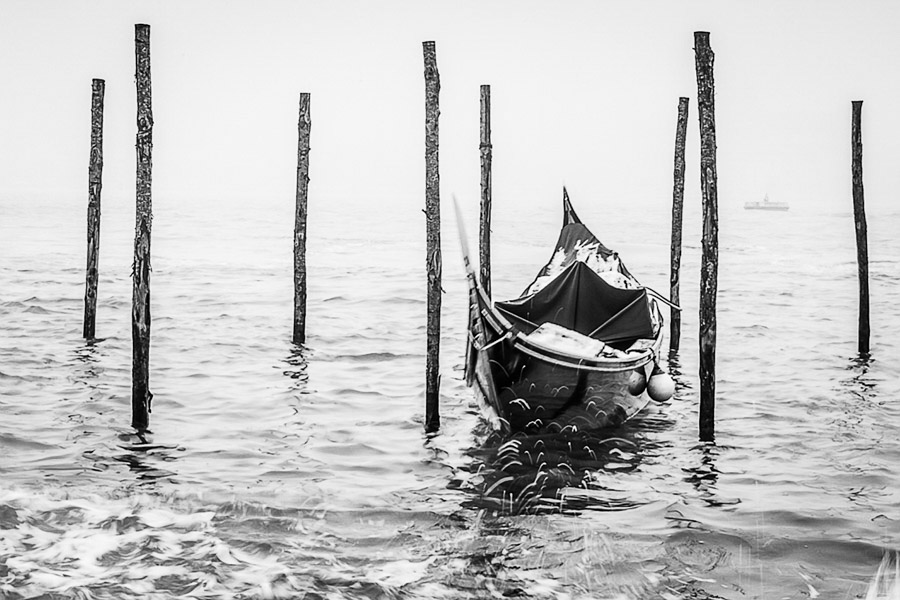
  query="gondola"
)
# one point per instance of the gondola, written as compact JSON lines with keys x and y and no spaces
{"x":578,"y":350}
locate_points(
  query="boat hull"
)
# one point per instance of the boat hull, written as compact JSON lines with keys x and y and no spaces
{"x":532,"y":389}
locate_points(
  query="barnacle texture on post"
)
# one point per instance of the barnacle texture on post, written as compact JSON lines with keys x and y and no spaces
{"x":95,"y":183}
{"x":859,"y":217}
{"x":710,"y":254}
{"x":140,"y":305}
{"x":303,"y":127}
{"x":677,"y":221}
{"x":433,"y":238}
{"x":485,"y":221}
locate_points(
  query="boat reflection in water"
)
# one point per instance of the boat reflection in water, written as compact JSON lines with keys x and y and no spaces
{"x":567,"y":471}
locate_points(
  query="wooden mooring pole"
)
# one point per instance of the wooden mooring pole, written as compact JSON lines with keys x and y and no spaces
{"x":677,"y":219}
{"x":304,"y":125}
{"x":859,"y":217}
{"x":95,"y":183}
{"x":484,"y":229}
{"x":433,"y":239}
{"x":710,"y":254}
{"x":140,"y":302}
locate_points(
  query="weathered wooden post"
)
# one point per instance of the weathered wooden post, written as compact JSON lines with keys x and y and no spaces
{"x":140,"y":302}
{"x":710,"y":254}
{"x":433,"y":239}
{"x":485,"y":222}
{"x":304,"y":125}
{"x":677,"y":218}
{"x":859,"y":217}
{"x":95,"y":183}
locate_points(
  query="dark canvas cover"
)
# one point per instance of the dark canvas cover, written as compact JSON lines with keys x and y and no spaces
{"x":580,"y":300}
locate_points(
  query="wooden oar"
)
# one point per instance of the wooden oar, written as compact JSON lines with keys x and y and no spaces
{"x":464,"y":243}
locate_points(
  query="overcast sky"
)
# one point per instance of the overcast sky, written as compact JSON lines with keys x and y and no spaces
{"x":584,"y":93}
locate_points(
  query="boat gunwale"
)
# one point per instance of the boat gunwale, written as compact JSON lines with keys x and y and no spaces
{"x":503,"y":328}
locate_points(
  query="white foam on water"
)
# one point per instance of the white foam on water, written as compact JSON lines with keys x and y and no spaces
{"x":77,"y":546}
{"x":885,"y":584}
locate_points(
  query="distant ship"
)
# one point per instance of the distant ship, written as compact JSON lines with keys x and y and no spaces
{"x":766,"y":204}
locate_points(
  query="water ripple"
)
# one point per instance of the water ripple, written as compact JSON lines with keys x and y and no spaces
{"x":275,"y":470}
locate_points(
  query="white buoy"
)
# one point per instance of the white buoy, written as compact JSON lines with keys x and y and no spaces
{"x":661,"y":386}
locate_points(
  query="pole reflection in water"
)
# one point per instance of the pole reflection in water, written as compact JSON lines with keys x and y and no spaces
{"x":87,"y":368}
{"x":682,"y":384}
{"x":861,"y":384}
{"x":86,"y":356}
{"x":704,"y":476}
{"x":297,"y":362}
{"x":854,"y":421}
{"x":144,"y":461}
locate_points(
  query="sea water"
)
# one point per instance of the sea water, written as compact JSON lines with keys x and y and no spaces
{"x":304,"y":472}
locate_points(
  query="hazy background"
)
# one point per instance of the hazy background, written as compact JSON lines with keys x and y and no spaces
{"x":584,"y":93}
{"x":314,"y":460}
